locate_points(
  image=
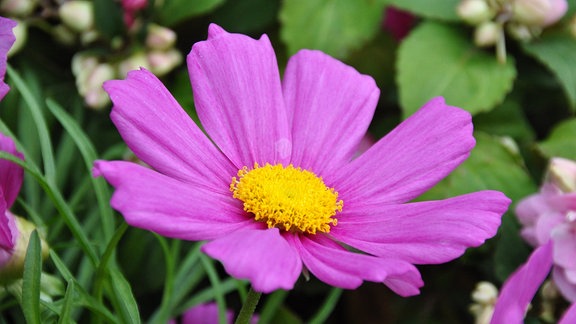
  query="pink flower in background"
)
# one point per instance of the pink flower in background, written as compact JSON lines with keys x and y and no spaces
{"x":398,"y":22}
{"x":10,"y":182}
{"x":207,"y":314}
{"x":539,"y":12}
{"x":6,"y":40}
{"x":551,"y":215}
{"x":274,"y":187}
{"x":131,"y":7}
{"x":522,"y":285}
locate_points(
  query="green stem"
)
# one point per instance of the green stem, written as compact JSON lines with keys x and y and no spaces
{"x":248,"y":308}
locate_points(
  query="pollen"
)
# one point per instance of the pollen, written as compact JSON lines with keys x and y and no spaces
{"x":288,"y":198}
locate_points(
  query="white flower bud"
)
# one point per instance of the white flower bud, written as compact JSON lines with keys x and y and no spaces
{"x":133,"y":62}
{"x":160,"y":38}
{"x":487,"y":34}
{"x":523,"y":32}
{"x":485,"y":293}
{"x":475,"y":12}
{"x":562,"y":174}
{"x":17,"y":8}
{"x":538,"y":12}
{"x":163,"y":62}
{"x":95,"y":96}
{"x":21,"y":34}
{"x":77,"y":14}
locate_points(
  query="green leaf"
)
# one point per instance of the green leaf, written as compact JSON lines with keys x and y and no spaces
{"x":335,"y":27}
{"x":127,"y":308}
{"x":561,"y":142}
{"x":556,"y":52}
{"x":493,"y":164}
{"x":175,"y":11}
{"x":511,"y":250}
{"x":439,"y":60}
{"x":507,"y":119}
{"x":439,"y":9}
{"x":326,"y":309}
{"x":246,"y":16}
{"x":108,"y":18}
{"x":31,"y":282}
{"x":65,"y":313}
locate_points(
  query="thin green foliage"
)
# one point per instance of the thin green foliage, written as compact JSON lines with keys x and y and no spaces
{"x":31,"y":280}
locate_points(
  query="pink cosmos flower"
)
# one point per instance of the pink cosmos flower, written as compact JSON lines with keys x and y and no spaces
{"x":521,"y":287}
{"x":273,"y":187}
{"x":6,"y":40}
{"x":551,"y":215}
{"x":207,"y":314}
{"x":10,"y":182}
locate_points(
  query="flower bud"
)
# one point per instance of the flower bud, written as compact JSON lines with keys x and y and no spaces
{"x":63,"y":34}
{"x":562,"y":174}
{"x":17,"y":8}
{"x":133,"y":62}
{"x":160,"y":38}
{"x":14,"y":268}
{"x":572,"y":26}
{"x":163,"y":62}
{"x":77,"y":14}
{"x":95,"y":96}
{"x":538,"y":12}
{"x":523,"y":32}
{"x":487,"y":34}
{"x":485,"y":293}
{"x":21,"y":34}
{"x":475,"y":12}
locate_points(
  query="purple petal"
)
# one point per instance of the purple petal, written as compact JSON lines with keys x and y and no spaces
{"x":263,"y":257}
{"x":569,"y":316}
{"x":332,"y":105}
{"x":423,"y":232}
{"x":566,"y":287}
{"x":8,"y":234}
{"x":161,"y":134}
{"x":521,"y":287}
{"x":411,"y":159}
{"x":205,"y":314}
{"x":238,"y":97}
{"x":338,"y":267}
{"x":544,"y":226}
{"x":7,"y":39}
{"x":11,"y":174}
{"x":564,"y":237}
{"x":152,"y":201}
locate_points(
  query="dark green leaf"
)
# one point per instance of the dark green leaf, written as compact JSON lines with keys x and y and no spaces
{"x":439,"y":9}
{"x":440,"y":60}
{"x":108,"y":18}
{"x":556,"y":51}
{"x":127,"y":308}
{"x":175,"y":11}
{"x":333,"y":26}
{"x":561,"y":142}
{"x":31,"y":280}
{"x":246,"y":16}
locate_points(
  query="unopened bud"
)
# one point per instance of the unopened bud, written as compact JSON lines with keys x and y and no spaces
{"x":63,"y":34}
{"x":163,"y":62}
{"x":17,"y":8}
{"x":133,"y":62}
{"x":572,"y":26}
{"x":487,"y":34}
{"x":160,"y":38}
{"x":21,"y":34}
{"x":77,"y":14}
{"x":475,"y":12}
{"x":562,"y":174}
{"x":485,"y":293}
{"x":523,"y":32}
{"x":15,"y":267}
{"x":538,"y":12}
{"x":95,"y":96}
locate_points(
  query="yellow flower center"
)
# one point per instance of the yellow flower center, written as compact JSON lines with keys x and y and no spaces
{"x":288,"y":198}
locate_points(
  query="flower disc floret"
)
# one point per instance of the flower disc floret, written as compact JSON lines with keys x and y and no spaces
{"x":289,"y":198}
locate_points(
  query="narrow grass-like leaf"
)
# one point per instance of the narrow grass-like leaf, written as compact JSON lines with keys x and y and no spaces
{"x":166,"y":306}
{"x":216,"y":285}
{"x":66,"y":311}
{"x":104,"y":266}
{"x":43,"y":133}
{"x":331,"y":300}
{"x":60,"y":203}
{"x":123,"y":298}
{"x":89,"y":154}
{"x":31,"y":280}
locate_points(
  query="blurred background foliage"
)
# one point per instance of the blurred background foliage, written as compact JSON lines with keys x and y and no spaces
{"x":100,"y":270}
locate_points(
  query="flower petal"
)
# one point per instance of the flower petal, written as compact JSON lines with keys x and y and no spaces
{"x":161,"y":134}
{"x":565,"y":286}
{"x":11,"y":174}
{"x":412,"y":158}
{"x":423,"y":232}
{"x":569,"y":316}
{"x":6,"y":239}
{"x":238,"y":97}
{"x":205,"y":314}
{"x":152,"y":201}
{"x":7,"y":39}
{"x":263,"y":257}
{"x":521,"y":287}
{"x":338,"y":267}
{"x":564,"y":237}
{"x":332,"y":105}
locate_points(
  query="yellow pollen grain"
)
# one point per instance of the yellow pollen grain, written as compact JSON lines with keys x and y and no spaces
{"x":289,"y":198}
